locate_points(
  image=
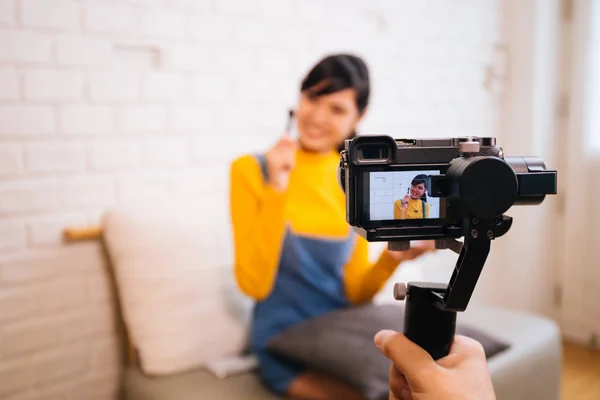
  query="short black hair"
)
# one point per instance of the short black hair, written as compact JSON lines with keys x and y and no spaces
{"x":421,"y":178}
{"x":338,"y":72}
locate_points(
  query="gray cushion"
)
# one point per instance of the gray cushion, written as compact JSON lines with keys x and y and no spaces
{"x":341,"y":343}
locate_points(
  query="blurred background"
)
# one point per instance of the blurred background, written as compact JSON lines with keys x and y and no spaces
{"x":104,"y":102}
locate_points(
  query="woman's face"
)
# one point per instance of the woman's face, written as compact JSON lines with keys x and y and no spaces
{"x":326,"y":121}
{"x":416,"y":191}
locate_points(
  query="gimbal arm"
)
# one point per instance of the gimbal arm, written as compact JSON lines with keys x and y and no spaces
{"x":430,"y":316}
{"x":482,"y":189}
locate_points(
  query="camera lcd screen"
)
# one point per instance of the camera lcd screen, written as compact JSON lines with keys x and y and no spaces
{"x":401,"y":195}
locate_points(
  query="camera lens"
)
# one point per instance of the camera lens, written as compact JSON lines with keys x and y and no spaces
{"x":372,"y":152}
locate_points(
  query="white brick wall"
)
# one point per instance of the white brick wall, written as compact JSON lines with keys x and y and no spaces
{"x":16,"y":376}
{"x":82,"y":51}
{"x":187,"y":118}
{"x":23,"y":46}
{"x":53,"y":85}
{"x":142,"y":119}
{"x":111,"y":19}
{"x":9,"y":83}
{"x":165,"y":151}
{"x":114,"y":86}
{"x":24,"y":120}
{"x":21,"y":270}
{"x":16,"y":303}
{"x":54,"y":158}
{"x":93,"y":191}
{"x":63,"y":364}
{"x":12,"y":236}
{"x":7,"y":12}
{"x":52,"y":14}
{"x":28,"y":196}
{"x":11,"y":160}
{"x":75,"y":119}
{"x":109,"y":102}
{"x":158,"y":22}
{"x":163,"y":87}
{"x":30,"y":336}
{"x":46,"y":230}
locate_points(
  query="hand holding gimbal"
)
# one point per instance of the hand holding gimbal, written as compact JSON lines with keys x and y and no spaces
{"x":476,"y":185}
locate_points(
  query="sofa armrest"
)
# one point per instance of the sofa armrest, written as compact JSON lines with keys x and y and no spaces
{"x":531,"y":368}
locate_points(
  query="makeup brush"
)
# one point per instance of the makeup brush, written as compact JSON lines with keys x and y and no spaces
{"x":290,"y":120}
{"x":285,"y":176}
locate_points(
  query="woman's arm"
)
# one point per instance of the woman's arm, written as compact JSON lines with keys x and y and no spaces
{"x":363,"y":280}
{"x":399,"y":211}
{"x":258,"y":227}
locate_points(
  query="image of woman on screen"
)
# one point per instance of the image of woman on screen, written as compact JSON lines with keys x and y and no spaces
{"x":414,"y":205}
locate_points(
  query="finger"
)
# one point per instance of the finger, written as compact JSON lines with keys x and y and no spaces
{"x":467,"y":346}
{"x":423,"y":245}
{"x":398,"y":384}
{"x":418,"y":244}
{"x":410,"y":359}
{"x":415,"y":252}
{"x":463,"y":348}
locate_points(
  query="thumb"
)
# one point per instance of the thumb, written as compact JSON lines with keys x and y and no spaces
{"x":410,"y":359}
{"x":423,"y":245}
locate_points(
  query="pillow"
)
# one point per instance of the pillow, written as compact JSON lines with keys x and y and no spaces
{"x":341,"y":343}
{"x":172,"y":289}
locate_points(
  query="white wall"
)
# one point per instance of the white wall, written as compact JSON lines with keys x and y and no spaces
{"x":103,"y":102}
{"x":580,"y":257}
{"x":522,"y":271}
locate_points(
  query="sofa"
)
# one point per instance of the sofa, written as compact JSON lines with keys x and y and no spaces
{"x":529,"y":370}
{"x":182,"y":312}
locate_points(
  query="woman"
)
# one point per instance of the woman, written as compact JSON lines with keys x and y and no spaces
{"x":295,"y":254}
{"x":413,"y":205}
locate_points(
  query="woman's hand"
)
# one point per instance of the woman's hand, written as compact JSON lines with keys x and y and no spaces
{"x":405,"y":201}
{"x":417,"y":249}
{"x":414,"y":375}
{"x":280,"y":160}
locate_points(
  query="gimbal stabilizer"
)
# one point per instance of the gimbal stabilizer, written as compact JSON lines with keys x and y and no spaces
{"x":477,"y":185}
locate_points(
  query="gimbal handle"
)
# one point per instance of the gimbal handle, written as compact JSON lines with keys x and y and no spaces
{"x":425,"y":324}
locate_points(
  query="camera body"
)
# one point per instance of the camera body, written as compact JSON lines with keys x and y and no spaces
{"x":423,"y":189}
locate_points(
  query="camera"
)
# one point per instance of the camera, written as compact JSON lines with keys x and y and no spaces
{"x":399,"y":190}
{"x":441,"y":189}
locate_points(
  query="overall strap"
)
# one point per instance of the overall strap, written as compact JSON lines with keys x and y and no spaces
{"x":262,"y":161}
